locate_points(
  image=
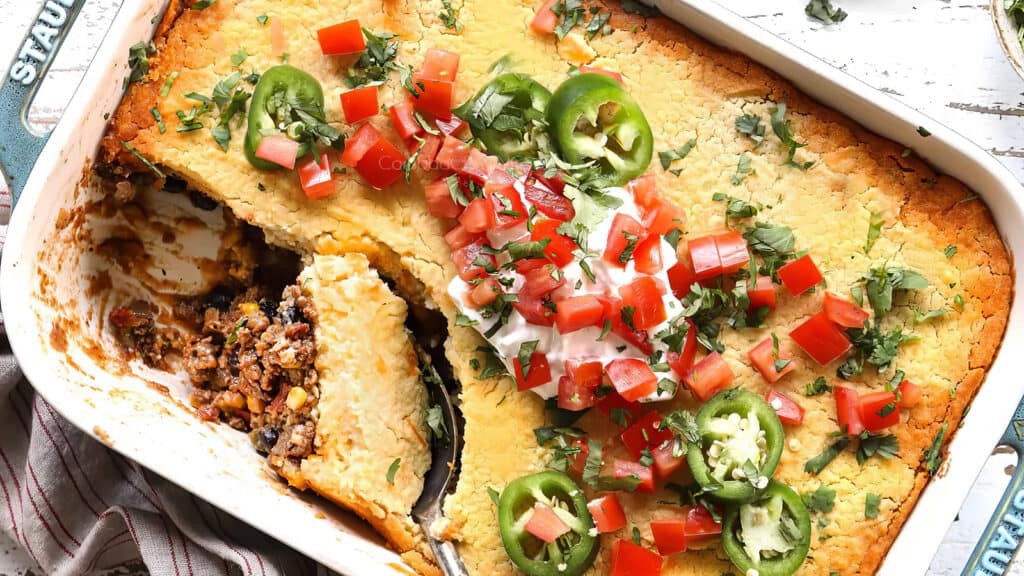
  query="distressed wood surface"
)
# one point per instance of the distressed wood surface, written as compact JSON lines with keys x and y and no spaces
{"x":939,"y":56}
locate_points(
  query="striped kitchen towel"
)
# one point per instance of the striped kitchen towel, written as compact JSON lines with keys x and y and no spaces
{"x":77,"y":507}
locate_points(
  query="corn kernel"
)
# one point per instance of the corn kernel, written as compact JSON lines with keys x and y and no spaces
{"x":249,"y":308}
{"x":296,"y":398}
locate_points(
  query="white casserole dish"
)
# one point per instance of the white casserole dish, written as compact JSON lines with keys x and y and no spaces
{"x":219,"y":465}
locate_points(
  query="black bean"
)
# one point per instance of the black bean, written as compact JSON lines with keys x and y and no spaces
{"x":220,"y":298}
{"x":202,"y":201}
{"x":291,"y":315}
{"x":268,"y":307}
{"x":268,"y":437}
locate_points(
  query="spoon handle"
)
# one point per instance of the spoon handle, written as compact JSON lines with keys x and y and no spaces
{"x":447,"y":557}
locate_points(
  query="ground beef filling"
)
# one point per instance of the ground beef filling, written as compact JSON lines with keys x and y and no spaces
{"x":252,"y":366}
{"x":251,"y":361}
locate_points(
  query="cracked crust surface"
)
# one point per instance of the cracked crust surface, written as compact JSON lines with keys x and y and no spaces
{"x":688,"y":89}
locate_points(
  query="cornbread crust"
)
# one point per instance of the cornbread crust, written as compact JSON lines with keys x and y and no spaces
{"x":688,"y":89}
{"x":368,"y":374}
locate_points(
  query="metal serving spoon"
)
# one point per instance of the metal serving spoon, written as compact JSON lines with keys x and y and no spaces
{"x":444,"y":457}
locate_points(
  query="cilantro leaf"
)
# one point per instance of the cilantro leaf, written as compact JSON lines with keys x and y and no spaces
{"x":392,"y":470}
{"x":886,"y":446}
{"x":871,"y":503}
{"x":824,"y":11}
{"x":667,"y":157}
{"x":435,"y":421}
{"x":933,"y":455}
{"x":784,"y":131}
{"x":818,"y":387}
{"x":874,"y":230}
{"x":449,"y":17}
{"x":750,"y":124}
{"x":821,"y":500}
{"x":818,"y":463}
{"x":743,"y":169}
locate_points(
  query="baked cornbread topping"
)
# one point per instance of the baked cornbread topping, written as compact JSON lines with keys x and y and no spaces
{"x":824,"y":326}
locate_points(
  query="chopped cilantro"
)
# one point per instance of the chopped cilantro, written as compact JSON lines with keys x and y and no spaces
{"x":950,"y":251}
{"x":874,"y":230}
{"x":737,"y":208}
{"x":238,"y":57}
{"x":494,"y":495}
{"x":818,"y":463}
{"x":824,"y":11}
{"x":743,"y":169}
{"x":750,"y":124}
{"x":958,"y":301}
{"x":636,"y":535}
{"x":159,"y":119}
{"x":203,"y":4}
{"x":933,"y":455}
{"x":631,"y":242}
{"x":138,"y":61}
{"x":449,"y":17}
{"x":627,"y":316}
{"x":672,"y":238}
{"x":667,"y":157}
{"x":526,"y":350}
{"x":634,"y":7}
{"x":818,"y":387}
{"x":920,"y":317}
{"x":782,"y":129}
{"x":435,"y":421}
{"x":463,"y":320}
{"x":881,"y":283}
{"x":145,"y":161}
{"x":871,"y":502}
{"x":492,"y":364}
{"x":262,"y":19}
{"x":886,"y":446}
{"x":822,"y":500}
{"x":923,"y":131}
{"x":667,"y":387}
{"x":392,"y":470}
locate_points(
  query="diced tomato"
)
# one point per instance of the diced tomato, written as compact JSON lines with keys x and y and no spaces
{"x":704,"y":258}
{"x":453,"y":154}
{"x":763,"y":358}
{"x":647,"y":256}
{"x":484,"y":293}
{"x":665,"y":462}
{"x":732,"y":251}
{"x":878,"y":410}
{"x":341,"y":38}
{"x":315,"y":177}
{"x":681,"y":278}
{"x":451,"y":126}
{"x":541,"y":281}
{"x":709,"y":376}
{"x":578,"y":312}
{"x":545,"y":524}
{"x":478,"y":216}
{"x":546,"y":19}
{"x":467,"y":257}
{"x":644,"y":296}
{"x":663,"y":217}
{"x":578,"y":460}
{"x":555,"y":183}
{"x":632,"y":378}
{"x":433,"y":96}
{"x":576,"y":389}
{"x":278,"y":41}
{"x":458,"y":237}
{"x":629,"y":559}
{"x":549,"y":203}
{"x":623,"y":237}
{"x":762,"y":294}
{"x":607,"y":513}
{"x":644,"y":433}
{"x":848,"y":410}
{"x":613,"y":314}
{"x":821,"y":339}
{"x":682,"y":363}
{"x":669,"y":535}
{"x":789,"y":412}
{"x":800,"y":275}
{"x":533,"y":310}
{"x":360,"y":103}
{"x":630,"y":410}
{"x":507,"y":206}
{"x":538,"y":373}
{"x":843,"y":312}
{"x":439,"y":200}
{"x":403,"y":119}
{"x":440,"y":65}
{"x":595,"y":70}
{"x":478,"y":166}
{"x":360,"y":142}
{"x":428,"y":152}
{"x":382,"y":164}
{"x":572,"y":397}
{"x":645,"y":190}
{"x":626,"y":469}
{"x":701,"y":525}
{"x":559,"y":249}
{"x":279,"y":149}
{"x":909,"y":393}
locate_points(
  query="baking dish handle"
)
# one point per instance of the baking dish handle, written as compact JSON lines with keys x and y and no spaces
{"x":20,"y":146}
{"x":1002,"y":537}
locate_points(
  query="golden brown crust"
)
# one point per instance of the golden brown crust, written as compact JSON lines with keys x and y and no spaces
{"x":688,"y":89}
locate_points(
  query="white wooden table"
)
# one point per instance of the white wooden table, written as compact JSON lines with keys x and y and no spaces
{"x":939,"y":56}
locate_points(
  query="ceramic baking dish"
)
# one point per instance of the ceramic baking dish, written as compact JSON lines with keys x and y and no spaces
{"x":147,"y":423}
